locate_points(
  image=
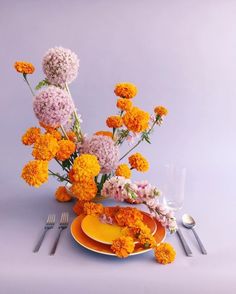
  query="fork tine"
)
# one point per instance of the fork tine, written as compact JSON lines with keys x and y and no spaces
{"x":48,"y":219}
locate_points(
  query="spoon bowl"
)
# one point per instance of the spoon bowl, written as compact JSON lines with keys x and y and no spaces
{"x":189,"y":223}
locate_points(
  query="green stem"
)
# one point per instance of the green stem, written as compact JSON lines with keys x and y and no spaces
{"x":27,"y":82}
{"x":59,"y":177}
{"x":64,"y":168}
{"x":149,"y":131}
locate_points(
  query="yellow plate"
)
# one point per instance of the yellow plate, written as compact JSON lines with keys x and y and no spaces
{"x":106,"y":233}
{"x":101,"y":248}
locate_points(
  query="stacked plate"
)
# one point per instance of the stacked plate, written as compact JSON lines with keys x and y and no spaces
{"x":96,"y":236}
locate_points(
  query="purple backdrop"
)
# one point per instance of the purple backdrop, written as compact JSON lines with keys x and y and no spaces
{"x":181,"y":54}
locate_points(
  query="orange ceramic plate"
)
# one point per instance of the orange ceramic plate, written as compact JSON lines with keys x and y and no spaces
{"x":106,"y":233}
{"x":101,"y":248}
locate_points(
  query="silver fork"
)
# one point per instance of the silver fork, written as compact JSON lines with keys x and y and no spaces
{"x":49,"y":225}
{"x":63,"y":225}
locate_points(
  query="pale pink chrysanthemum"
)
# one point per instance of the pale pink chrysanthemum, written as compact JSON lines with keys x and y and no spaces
{"x":104,"y":149}
{"x":60,"y":66}
{"x":53,"y":106}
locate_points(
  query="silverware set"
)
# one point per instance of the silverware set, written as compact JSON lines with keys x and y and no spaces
{"x":189,"y":223}
{"x":50,"y":222}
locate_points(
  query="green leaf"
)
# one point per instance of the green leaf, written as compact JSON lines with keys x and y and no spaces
{"x":42,"y":84}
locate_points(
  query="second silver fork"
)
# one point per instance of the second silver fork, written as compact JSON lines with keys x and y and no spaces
{"x":63,"y":225}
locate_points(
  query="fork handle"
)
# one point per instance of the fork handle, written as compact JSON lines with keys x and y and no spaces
{"x":54,"y":247}
{"x":40,"y":241}
{"x":184,"y":243}
{"x":203,"y":250}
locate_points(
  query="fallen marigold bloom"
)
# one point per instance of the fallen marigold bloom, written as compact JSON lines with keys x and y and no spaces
{"x":138,"y":162}
{"x":62,"y":195}
{"x":78,"y":208}
{"x":31,"y":136}
{"x":161,"y":110}
{"x":165,"y":253}
{"x":35,"y":172}
{"x":126,"y":90}
{"x":123,"y":246}
{"x":127,"y":216}
{"x":114,"y":121}
{"x":24,"y":67}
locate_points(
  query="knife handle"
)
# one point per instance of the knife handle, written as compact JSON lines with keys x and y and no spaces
{"x":184,"y":243}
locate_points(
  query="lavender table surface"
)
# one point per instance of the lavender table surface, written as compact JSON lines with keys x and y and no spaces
{"x":73,"y":268}
{"x":180,"y":54}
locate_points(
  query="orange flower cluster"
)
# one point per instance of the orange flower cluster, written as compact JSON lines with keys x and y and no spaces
{"x":127,"y":216}
{"x":66,"y":148}
{"x":62,"y":195}
{"x":31,"y":136}
{"x":114,"y":121}
{"x":35,"y":172}
{"x":56,"y":134}
{"x":161,"y":110}
{"x":136,"y":120}
{"x":91,"y":208}
{"x":84,"y":169}
{"x":124,"y":104}
{"x":123,"y":170}
{"x":45,"y":148}
{"x":165,"y":253}
{"x":84,"y":190}
{"x":24,"y":67}
{"x":138,"y":162}
{"x":104,"y":133}
{"x":126,"y":90}
{"x":123,"y":246}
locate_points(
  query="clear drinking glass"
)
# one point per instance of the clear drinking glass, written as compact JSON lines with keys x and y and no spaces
{"x":172,"y":185}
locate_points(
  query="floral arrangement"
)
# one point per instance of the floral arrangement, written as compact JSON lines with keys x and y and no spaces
{"x":92,"y":166}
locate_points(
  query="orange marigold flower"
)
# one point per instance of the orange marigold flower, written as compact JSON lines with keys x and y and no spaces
{"x":92,"y":208}
{"x":86,"y":163}
{"x":104,"y":133}
{"x":123,"y":170}
{"x":114,"y":121}
{"x":85,"y":190}
{"x":138,"y":162}
{"x":124,"y":104}
{"x":78,"y":208}
{"x":62,"y":195}
{"x":30,"y":136}
{"x":35,"y":172}
{"x":45,"y":148}
{"x":136,"y":120}
{"x":123,"y":246}
{"x":127,"y":216}
{"x":147,"y":240}
{"x":165,"y":253}
{"x":66,"y":148}
{"x":126,"y":90}
{"x":56,"y":134}
{"x":161,"y":110}
{"x":71,"y":136}
{"x":24,"y":67}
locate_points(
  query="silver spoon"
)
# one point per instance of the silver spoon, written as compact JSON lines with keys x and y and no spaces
{"x":189,"y":223}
